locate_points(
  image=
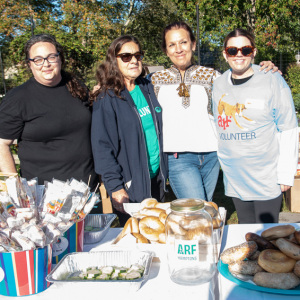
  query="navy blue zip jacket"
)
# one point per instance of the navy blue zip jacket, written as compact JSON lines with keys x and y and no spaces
{"x":118,"y":142}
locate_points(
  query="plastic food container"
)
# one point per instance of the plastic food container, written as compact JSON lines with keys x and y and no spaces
{"x":100,"y":221}
{"x":75,"y":262}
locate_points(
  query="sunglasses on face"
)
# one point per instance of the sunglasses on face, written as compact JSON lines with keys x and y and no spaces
{"x":127,"y":57}
{"x":233,"y":51}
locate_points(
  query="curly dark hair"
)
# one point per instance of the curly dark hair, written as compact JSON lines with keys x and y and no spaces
{"x":74,"y":85}
{"x":108,"y":74}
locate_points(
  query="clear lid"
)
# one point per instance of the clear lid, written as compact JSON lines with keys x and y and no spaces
{"x":187,"y":205}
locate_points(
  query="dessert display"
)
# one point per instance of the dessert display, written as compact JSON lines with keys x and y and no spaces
{"x":270,"y":260}
{"x":33,"y":216}
{"x":147,"y":225}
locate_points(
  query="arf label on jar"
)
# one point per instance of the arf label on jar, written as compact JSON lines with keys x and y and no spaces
{"x":187,"y":250}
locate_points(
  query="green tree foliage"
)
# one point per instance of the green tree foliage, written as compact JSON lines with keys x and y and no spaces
{"x":274,"y":23}
{"x":82,"y":27}
{"x":293,"y":78}
{"x":86,"y":27}
{"x":18,"y":21}
{"x":148,"y":24}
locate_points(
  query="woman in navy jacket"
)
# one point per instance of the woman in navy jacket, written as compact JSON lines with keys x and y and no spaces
{"x":126,"y":128}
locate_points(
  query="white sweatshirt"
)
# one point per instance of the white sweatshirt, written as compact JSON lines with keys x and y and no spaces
{"x":257,"y":135}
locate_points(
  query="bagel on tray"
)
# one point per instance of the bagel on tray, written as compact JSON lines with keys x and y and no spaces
{"x":276,"y":265}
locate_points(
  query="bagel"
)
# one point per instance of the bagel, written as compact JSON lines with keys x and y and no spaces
{"x":282,"y":281}
{"x":131,"y":226}
{"x":297,"y":236}
{"x":277,"y":232}
{"x":288,"y":248}
{"x":148,"y":202}
{"x":245,"y":267}
{"x":152,"y":211}
{"x":261,"y":242}
{"x":255,"y":255}
{"x":140,"y":238}
{"x":150,"y":227}
{"x":274,"y":261}
{"x":138,"y":215}
{"x":211,"y":210}
{"x":217,"y":223}
{"x":163,"y":205}
{"x":162,"y":217}
{"x":162,"y":238}
{"x":239,"y":252}
{"x":192,"y":223}
{"x":292,"y":238}
{"x":175,"y":227}
{"x":199,"y":233}
{"x":297,"y":268}
{"x":213,"y":204}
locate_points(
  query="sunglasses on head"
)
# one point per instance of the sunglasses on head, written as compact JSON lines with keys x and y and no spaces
{"x":233,"y":51}
{"x":127,"y":57}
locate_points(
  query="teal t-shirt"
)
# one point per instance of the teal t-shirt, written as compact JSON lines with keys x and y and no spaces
{"x":149,"y":130}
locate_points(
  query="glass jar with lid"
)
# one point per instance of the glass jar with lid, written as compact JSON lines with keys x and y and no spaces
{"x":189,"y":238}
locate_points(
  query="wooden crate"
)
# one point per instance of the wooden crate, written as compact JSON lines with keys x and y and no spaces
{"x":293,"y":196}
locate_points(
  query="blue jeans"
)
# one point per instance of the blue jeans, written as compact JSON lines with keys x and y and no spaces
{"x":194,"y":175}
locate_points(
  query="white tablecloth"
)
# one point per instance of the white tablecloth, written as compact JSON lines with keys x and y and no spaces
{"x":159,"y":285}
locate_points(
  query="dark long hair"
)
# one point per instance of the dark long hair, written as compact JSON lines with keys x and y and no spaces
{"x":108,"y":74}
{"x":240,"y":32}
{"x":75,"y":87}
{"x":176,"y":25}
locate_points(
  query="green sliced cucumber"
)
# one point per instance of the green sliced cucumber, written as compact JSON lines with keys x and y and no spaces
{"x":107,"y":270}
{"x":104,"y":277}
{"x":133,"y":275}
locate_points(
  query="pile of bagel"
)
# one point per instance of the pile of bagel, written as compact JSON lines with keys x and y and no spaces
{"x":148,"y":224}
{"x":271,"y":259}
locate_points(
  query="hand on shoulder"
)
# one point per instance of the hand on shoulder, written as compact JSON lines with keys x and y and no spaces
{"x":267,"y":66}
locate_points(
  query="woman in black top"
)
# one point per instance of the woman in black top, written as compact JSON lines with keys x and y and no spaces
{"x":50,"y":116}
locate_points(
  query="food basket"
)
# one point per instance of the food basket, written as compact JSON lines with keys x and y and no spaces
{"x":100,"y":224}
{"x":75,"y":262}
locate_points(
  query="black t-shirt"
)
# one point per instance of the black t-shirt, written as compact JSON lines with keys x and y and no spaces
{"x":53,"y":132}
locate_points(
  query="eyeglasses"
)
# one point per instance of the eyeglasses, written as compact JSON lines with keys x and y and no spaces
{"x":127,"y":57}
{"x":233,"y":51}
{"x":38,"y":61}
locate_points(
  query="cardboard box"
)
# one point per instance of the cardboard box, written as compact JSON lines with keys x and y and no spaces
{"x":293,"y":196}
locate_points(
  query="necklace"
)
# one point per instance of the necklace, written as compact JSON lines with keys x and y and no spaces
{"x":183,"y":90}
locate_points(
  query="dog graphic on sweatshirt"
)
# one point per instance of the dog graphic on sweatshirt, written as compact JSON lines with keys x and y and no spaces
{"x":232,"y":111}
